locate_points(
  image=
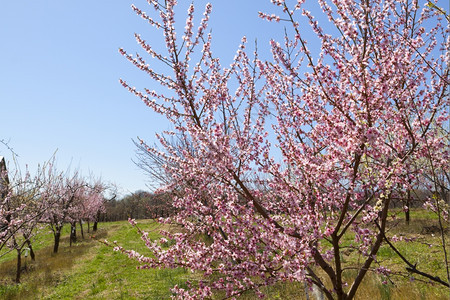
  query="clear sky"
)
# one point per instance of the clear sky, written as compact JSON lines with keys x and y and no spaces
{"x":59,"y":72}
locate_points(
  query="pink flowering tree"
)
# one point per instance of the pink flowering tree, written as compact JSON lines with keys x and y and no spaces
{"x":92,"y":204}
{"x":64,"y":192}
{"x":74,"y":199}
{"x":21,"y":209}
{"x":279,"y":159}
{"x":5,"y":214}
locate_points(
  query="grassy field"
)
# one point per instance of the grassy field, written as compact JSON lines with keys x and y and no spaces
{"x":91,"y":270}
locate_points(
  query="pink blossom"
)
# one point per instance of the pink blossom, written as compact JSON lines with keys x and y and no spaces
{"x":349,"y":122}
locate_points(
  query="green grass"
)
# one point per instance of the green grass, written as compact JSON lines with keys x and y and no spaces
{"x":91,"y":270}
{"x":42,"y":239}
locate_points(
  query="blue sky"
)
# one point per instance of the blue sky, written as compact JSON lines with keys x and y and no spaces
{"x":59,"y":72}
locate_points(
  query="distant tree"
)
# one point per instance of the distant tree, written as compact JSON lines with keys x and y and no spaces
{"x":139,"y":205}
{"x":21,"y":211}
{"x":57,"y":193}
{"x":87,"y":205}
{"x":94,"y":203}
{"x":73,"y":199}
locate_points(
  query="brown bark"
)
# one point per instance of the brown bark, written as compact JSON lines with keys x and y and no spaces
{"x":81,"y":229}
{"x":73,"y":233}
{"x":31,"y":250}
{"x":57,"y":235}
{"x":19,"y":265}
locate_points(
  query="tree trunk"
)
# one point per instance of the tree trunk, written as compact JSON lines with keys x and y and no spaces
{"x":73,"y":233}
{"x":408,"y":203}
{"x":31,"y":250}
{"x":81,"y":229}
{"x":408,"y":206}
{"x":57,"y":235}
{"x":97,"y":217}
{"x":88,"y":225}
{"x":19,"y":265}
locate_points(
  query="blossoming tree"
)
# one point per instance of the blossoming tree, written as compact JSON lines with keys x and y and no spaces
{"x":73,"y":199}
{"x":91,"y":204}
{"x":279,"y":159}
{"x":21,"y":209}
